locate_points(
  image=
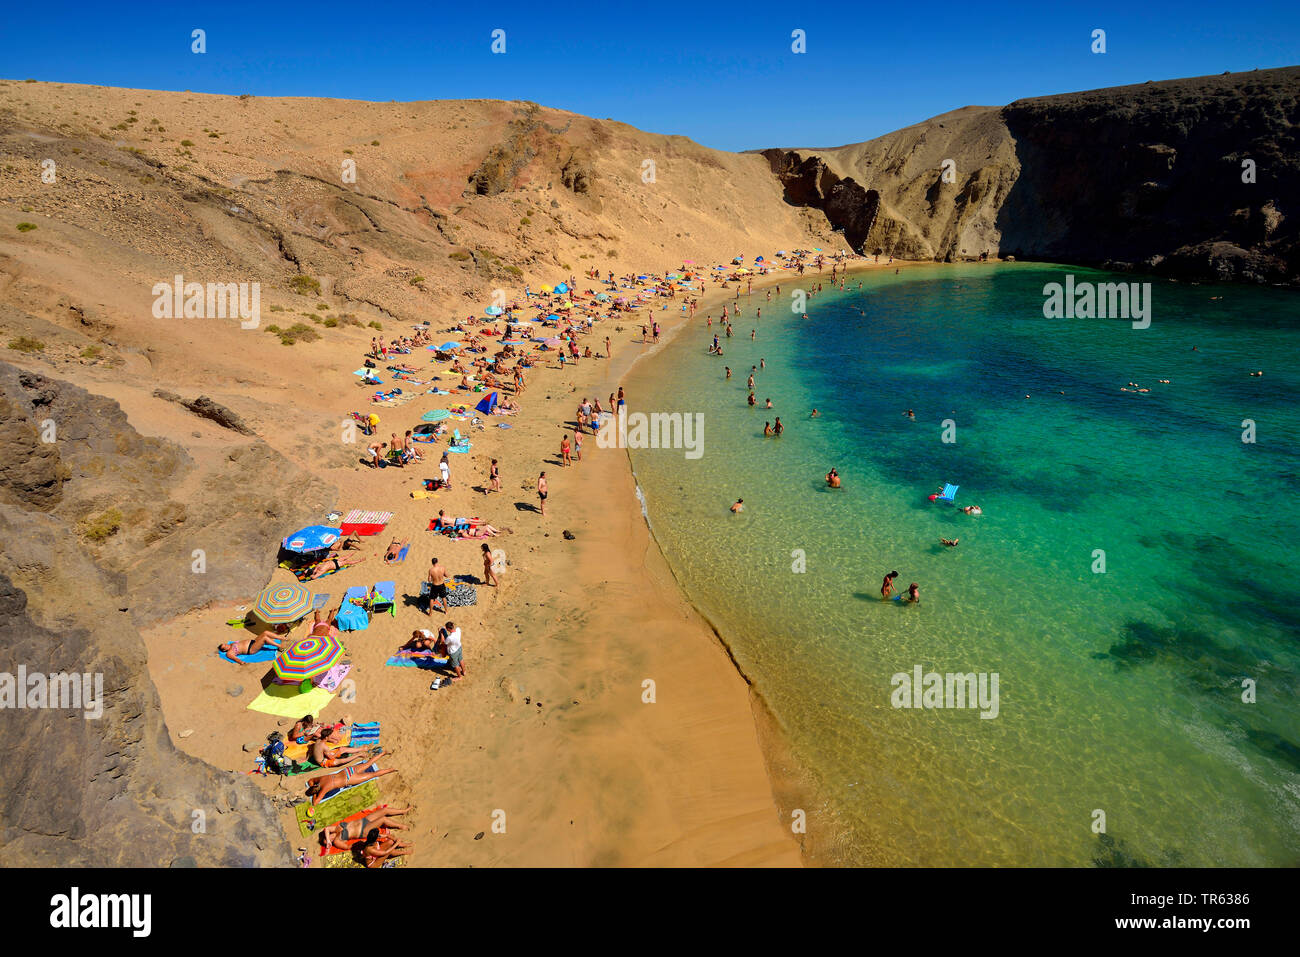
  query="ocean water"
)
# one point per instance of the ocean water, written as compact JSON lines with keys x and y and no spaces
{"x":1120,"y":691}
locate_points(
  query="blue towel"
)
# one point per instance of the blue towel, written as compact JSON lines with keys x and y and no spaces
{"x":267,"y":653}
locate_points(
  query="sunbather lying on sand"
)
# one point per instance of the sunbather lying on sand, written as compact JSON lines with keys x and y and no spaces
{"x":394,"y":550}
{"x":325,"y":756}
{"x":422,"y":639}
{"x":334,"y":563}
{"x":351,"y":541}
{"x":250,"y":646}
{"x":376,"y":851}
{"x":317,"y":788}
{"x":339,"y":835}
{"x":307,"y":728}
{"x":477,"y":531}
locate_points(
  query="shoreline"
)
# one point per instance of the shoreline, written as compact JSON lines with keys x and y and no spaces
{"x":794,"y":786}
{"x":587,"y":772}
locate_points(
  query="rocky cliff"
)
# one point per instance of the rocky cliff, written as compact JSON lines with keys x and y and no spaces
{"x":1197,"y":178}
{"x":95,"y":527}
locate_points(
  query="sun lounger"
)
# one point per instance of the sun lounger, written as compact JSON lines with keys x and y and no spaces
{"x":384,"y":598}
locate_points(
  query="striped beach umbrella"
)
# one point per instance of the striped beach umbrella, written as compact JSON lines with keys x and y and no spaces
{"x":283,"y":603}
{"x":307,"y":659}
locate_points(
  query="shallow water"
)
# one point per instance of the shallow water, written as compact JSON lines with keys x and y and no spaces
{"x":1119,"y":691}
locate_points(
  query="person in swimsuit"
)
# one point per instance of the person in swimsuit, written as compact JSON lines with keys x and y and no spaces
{"x":322,"y":626}
{"x":913,"y":593}
{"x":323,"y":756}
{"x":317,"y":788}
{"x":437,"y":579}
{"x":739,"y":506}
{"x":973,"y":510}
{"x":833,"y":478}
{"x":494,"y":478}
{"x":395,"y":549}
{"x":767,"y":429}
{"x":376,"y":850}
{"x":334,"y":563}
{"x":489,"y":576}
{"x":887,"y":586}
{"x":342,"y":835}
{"x":751,"y":399}
{"x":250,"y":646}
{"x":778,"y":428}
{"x":542,"y":490}
{"x":950,"y":544}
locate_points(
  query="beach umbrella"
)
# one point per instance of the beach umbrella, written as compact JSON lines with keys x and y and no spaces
{"x":547,"y":289}
{"x":307,"y":658}
{"x":492,"y":311}
{"x":602,"y":297}
{"x":279,"y":604}
{"x":448,"y":346}
{"x":552,"y":342}
{"x":311,"y":539}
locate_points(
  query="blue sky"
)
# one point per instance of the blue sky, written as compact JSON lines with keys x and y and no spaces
{"x":723,"y":75}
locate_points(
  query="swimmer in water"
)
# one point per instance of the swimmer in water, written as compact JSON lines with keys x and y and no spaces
{"x":752,"y":400}
{"x":728,"y":372}
{"x":769,"y":404}
{"x":910,"y":414}
{"x":887,"y":586}
{"x":833,"y":478}
{"x":814,"y":415}
{"x":739,"y":506}
{"x":973,"y":510}
{"x":767,"y":429}
{"x":913,"y":593}
{"x":950,"y":544}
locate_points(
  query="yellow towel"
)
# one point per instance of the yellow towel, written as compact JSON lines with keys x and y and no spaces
{"x":286,"y":701}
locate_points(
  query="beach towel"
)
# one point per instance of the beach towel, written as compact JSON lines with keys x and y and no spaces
{"x":416,"y":659}
{"x":364,"y":735}
{"x":349,"y":860}
{"x":363,"y":522}
{"x":267,"y":653}
{"x":331,"y":680}
{"x":288,"y":701}
{"x":352,"y":618}
{"x":335,"y":808}
{"x":401,"y":555}
{"x":462,"y":596}
{"x":331,"y":848}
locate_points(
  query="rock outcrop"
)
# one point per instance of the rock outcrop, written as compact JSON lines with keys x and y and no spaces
{"x":1196,"y":178}
{"x":93,"y":545}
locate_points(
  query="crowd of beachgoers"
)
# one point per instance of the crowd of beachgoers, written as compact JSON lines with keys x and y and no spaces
{"x":468,"y":373}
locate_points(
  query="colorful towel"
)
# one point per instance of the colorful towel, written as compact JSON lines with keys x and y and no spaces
{"x":416,"y":659}
{"x":336,"y":808}
{"x":267,"y":653}
{"x":362,"y":522}
{"x":368,"y":812}
{"x":364,"y":735}
{"x":287,"y":701}
{"x":331,"y":679}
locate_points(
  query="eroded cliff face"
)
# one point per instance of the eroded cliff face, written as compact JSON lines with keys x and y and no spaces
{"x":110,"y":789}
{"x":1198,"y":178}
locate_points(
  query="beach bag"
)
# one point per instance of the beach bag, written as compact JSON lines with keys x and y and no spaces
{"x":370,"y":364}
{"x":462,"y":596}
{"x":273,"y":756}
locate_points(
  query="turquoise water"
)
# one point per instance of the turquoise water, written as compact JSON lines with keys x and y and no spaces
{"x":1120,"y":691}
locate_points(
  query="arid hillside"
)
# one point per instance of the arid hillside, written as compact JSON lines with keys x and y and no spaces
{"x":1152,"y":176}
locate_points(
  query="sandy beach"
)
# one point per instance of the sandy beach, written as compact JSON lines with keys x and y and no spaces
{"x":553,"y":725}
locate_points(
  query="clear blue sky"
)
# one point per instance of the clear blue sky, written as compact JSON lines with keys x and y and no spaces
{"x":723,"y":75}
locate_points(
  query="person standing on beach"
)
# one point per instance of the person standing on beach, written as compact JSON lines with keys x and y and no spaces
{"x":449,"y":644}
{"x":437,"y":579}
{"x":541,"y":492}
{"x":609,"y":353}
{"x":887,"y":586}
{"x":489,"y":576}
{"x":577,"y":445}
{"x":445,"y":468}
{"x":494,"y":478}
{"x":564,"y":451}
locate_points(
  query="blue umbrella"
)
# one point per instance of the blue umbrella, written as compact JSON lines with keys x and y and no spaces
{"x":313,"y":538}
{"x":562,"y":287}
{"x":447,"y":346}
{"x":492,"y":311}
